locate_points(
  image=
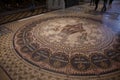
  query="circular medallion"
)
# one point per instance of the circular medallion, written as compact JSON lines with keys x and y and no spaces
{"x":100,"y":61}
{"x":113,"y":54}
{"x":72,"y":34}
{"x":80,"y":62}
{"x":41,"y":55}
{"x":63,"y":44}
{"x":59,"y":60}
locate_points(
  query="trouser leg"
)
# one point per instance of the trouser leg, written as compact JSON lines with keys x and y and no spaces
{"x":96,"y":4}
{"x":110,"y":2}
{"x":104,"y":6}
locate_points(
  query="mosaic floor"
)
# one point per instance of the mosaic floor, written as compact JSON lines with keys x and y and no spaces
{"x":61,"y":45}
{"x":13,"y":16}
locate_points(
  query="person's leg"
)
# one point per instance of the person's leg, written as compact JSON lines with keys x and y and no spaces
{"x":110,"y":3}
{"x":91,"y":2}
{"x":65,"y":3}
{"x":96,"y":4}
{"x":104,"y":6}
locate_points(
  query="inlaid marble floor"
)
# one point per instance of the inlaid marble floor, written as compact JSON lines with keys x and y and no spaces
{"x":72,"y":44}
